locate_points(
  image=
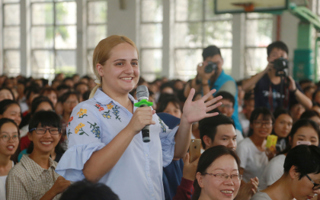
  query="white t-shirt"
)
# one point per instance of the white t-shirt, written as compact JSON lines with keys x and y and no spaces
{"x":261,"y":196}
{"x":239,"y":136}
{"x":253,"y":161}
{"x":272,"y":172}
{"x":3,"y":186}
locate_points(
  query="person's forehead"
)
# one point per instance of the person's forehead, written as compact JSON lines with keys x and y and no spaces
{"x":226,"y":129}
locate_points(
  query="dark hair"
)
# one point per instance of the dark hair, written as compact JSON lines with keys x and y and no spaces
{"x":306,"y":89}
{"x":84,"y":190}
{"x":45,"y":118}
{"x":227,"y":96}
{"x":265,"y":112}
{"x":165,"y":99}
{"x":5,"y":104}
{"x":167,"y":84}
{"x":210,"y":51}
{"x":67,"y":79}
{"x":37,"y":101}
{"x":63,"y":87}
{"x":6,"y":88}
{"x":305,"y":158}
{"x":79,"y":83}
{"x":308,"y":114}
{"x":296,"y":126}
{"x":279,"y":45}
{"x":305,"y":81}
{"x":206,"y":159}
{"x":86,"y":95}
{"x":49,"y":90}
{"x":3,"y":121}
{"x":208,"y":126}
{"x":248,"y":95}
{"x":279,"y":111}
{"x":66,"y":95}
{"x":33,"y":88}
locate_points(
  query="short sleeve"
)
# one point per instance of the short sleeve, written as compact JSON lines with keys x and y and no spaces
{"x":242,"y":153}
{"x":71,"y":164}
{"x":84,"y":135}
{"x":273,"y":172}
{"x":167,"y":138}
{"x":15,"y":188}
{"x":84,"y":125}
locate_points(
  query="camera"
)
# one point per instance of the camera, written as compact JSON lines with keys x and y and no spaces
{"x":281,"y":67}
{"x":210,"y":67}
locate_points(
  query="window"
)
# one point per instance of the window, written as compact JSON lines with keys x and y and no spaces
{"x":196,"y":27}
{"x":53,"y":37}
{"x":11,"y":37}
{"x":258,"y":37}
{"x":96,"y":27}
{"x":151,"y":17}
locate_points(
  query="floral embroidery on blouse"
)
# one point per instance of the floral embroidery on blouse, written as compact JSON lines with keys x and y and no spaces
{"x":69,"y":132}
{"x":99,"y":106}
{"x":70,"y":120}
{"x":79,"y":128}
{"x":109,"y":106}
{"x":163,"y":127}
{"x":115,"y":111}
{"x":82,"y":113}
{"x":106,"y":114}
{"x":95,"y":129}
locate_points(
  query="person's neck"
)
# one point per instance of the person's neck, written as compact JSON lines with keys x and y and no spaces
{"x":273,"y":78}
{"x":280,"y":189}
{"x":122,"y":99}
{"x":66,"y":116}
{"x":258,"y":141}
{"x":203,"y":196}
{"x":5,"y":165}
{"x":41,"y":159}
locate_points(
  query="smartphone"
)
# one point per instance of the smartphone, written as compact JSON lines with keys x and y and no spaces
{"x":194,"y":149}
{"x":303,"y":143}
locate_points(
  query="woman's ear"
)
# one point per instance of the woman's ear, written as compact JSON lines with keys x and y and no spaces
{"x":30,"y":136}
{"x":99,"y":68}
{"x":199,"y":178}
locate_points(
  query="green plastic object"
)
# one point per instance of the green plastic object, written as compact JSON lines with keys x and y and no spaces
{"x":303,"y":64}
{"x":143,"y":102}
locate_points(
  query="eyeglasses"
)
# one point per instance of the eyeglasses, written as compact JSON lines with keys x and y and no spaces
{"x":224,"y":176}
{"x":42,"y":131}
{"x":258,"y":124}
{"x":226,"y":106}
{"x":316,"y":186}
{"x":6,"y":137}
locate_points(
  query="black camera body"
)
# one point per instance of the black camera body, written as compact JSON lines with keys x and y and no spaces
{"x":210,"y":67}
{"x":281,"y":66}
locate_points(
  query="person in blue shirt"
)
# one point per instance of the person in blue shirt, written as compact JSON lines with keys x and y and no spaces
{"x":215,"y":79}
{"x":104,"y":132}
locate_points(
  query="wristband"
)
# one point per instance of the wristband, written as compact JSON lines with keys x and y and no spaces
{"x":294,"y":91}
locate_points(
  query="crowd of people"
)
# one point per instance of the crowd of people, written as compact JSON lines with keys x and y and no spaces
{"x":80,"y":137}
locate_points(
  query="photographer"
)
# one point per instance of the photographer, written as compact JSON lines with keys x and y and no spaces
{"x":210,"y":75}
{"x":273,"y":86}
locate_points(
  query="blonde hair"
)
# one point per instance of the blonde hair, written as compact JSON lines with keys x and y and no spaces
{"x":102,"y":53}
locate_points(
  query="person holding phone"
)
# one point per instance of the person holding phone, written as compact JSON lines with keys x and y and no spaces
{"x":305,"y":132}
{"x":300,"y":179}
{"x":104,"y":132}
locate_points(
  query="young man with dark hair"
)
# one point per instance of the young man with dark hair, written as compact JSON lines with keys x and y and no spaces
{"x":214,"y":78}
{"x":272,"y":90}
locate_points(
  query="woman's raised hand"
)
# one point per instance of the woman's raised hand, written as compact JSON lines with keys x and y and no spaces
{"x":194,"y":111}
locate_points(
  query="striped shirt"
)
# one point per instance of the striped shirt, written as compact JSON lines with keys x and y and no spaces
{"x":29,"y":181}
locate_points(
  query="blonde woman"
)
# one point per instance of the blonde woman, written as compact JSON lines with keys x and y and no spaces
{"x":104,"y":132}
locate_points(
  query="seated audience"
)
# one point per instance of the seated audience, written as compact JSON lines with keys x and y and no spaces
{"x":244,"y":116}
{"x":304,"y":131}
{"x":35,"y":177}
{"x":281,"y":128}
{"x":6,"y":93}
{"x":9,"y":143}
{"x":227,"y":109}
{"x":10,"y":109}
{"x":312,"y":115}
{"x":169,"y":104}
{"x":300,"y":179}
{"x":217,"y":175}
{"x":252,"y":151}
{"x":296,"y":111}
